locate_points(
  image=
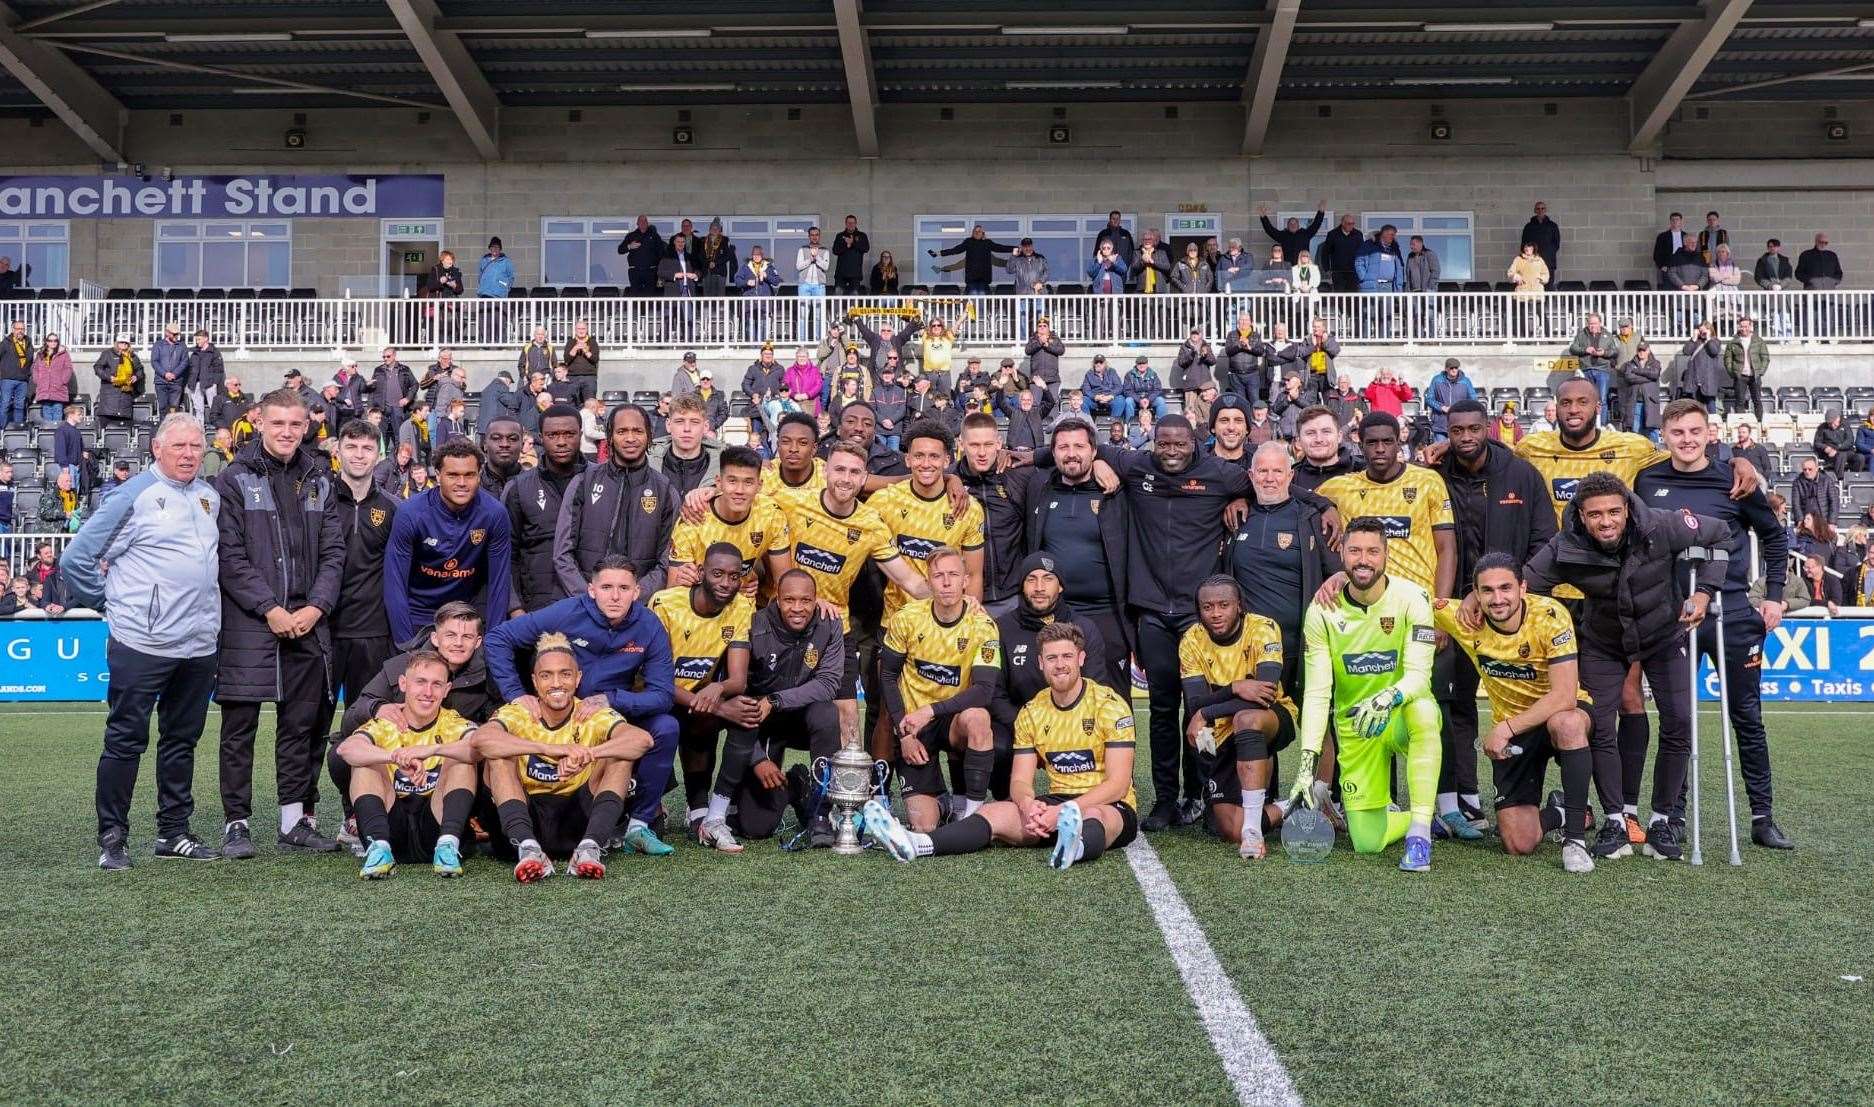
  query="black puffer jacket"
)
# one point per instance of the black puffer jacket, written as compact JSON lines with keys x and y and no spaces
{"x":611,"y":509}
{"x":533,"y":506}
{"x":282,"y":545}
{"x":1022,"y":679}
{"x":1634,"y":593}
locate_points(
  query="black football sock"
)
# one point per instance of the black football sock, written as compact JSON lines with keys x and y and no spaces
{"x":517,"y":822}
{"x":1092,"y":839}
{"x":606,"y":809}
{"x":1577,"y":769}
{"x":963,"y":836}
{"x":456,"y":806}
{"x":373,"y":819}
{"x":1633,"y":737}
{"x":978,"y":767}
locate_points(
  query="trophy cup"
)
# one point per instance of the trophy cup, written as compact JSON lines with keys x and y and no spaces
{"x":850,"y":777}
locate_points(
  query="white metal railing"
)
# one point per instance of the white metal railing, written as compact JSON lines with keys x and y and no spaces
{"x":1445,"y":317}
{"x":19,"y":550}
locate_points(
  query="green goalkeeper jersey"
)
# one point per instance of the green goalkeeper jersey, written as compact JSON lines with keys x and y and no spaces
{"x":1352,"y":653}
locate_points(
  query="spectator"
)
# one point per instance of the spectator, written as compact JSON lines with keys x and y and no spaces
{"x":16,"y":371}
{"x":18,"y":599}
{"x":1139,"y":431}
{"x":1273,"y":277}
{"x":414,"y":431}
{"x":61,"y":507}
{"x":813,"y":263}
{"x":642,"y":248}
{"x":1142,"y":388}
{"x":1746,"y":447}
{"x":1106,"y":276}
{"x":1304,"y":279}
{"x":1315,"y":357}
{"x":1289,"y":406}
{"x":1024,"y":429}
{"x":581,"y":356}
{"x":452,"y":385}
{"x":1701,"y":374}
{"x":884,"y":278}
{"x":677,"y":272}
{"x":715,"y":404}
{"x":888,"y":406}
{"x":500,"y":399}
{"x":1546,"y":236}
{"x":805,"y":385}
{"x":1504,"y":428}
{"x":1246,"y":367}
{"x":1713,"y":236}
{"x":169,"y":361}
{"x":1119,"y":435}
{"x":1044,"y":349}
{"x":1103,"y":392}
{"x":1421,"y":276}
{"x":1385,"y":392}
{"x":1531,"y":278}
{"x":68,"y":445}
{"x":8,"y":501}
{"x":1192,"y":275}
{"x":120,"y":381}
{"x":1236,"y":268}
{"x":1544,"y":422}
{"x":538,"y":356}
{"x":850,"y":247}
{"x":935,"y":347}
{"x":1028,"y":270}
{"x":714,"y":257}
{"x":1596,"y":350}
{"x":764,"y":381}
{"x":592,"y":429}
{"x":1641,"y":396}
{"x":1195,"y":363}
{"x":231,"y":403}
{"x":1379,"y":266}
{"x":1819,"y":270}
{"x":1447,"y":388}
{"x":757,"y":277}
{"x":206,"y":371}
{"x":658,"y":417}
{"x":53,"y":379}
{"x":1261,"y":427}
{"x":120,"y":476}
{"x":1115,"y":233}
{"x":1811,"y":495}
{"x":1746,"y":358}
{"x":979,"y":260}
{"x":452,"y":423}
{"x":1348,"y":406}
{"x":445,"y":277}
{"x":1293,"y":238}
{"x":846,"y":393}
{"x":1668,"y":245}
{"x":1772,"y":271}
{"x":392,"y":388}
{"x":494,"y":274}
{"x":1340,"y":249}
{"x":1834,"y":444}
{"x":1151,"y":265}
{"x":294,"y":381}
{"x":687,"y":376}
{"x":1724,"y":274}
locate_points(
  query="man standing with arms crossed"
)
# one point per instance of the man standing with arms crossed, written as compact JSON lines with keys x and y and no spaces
{"x":157,"y":537}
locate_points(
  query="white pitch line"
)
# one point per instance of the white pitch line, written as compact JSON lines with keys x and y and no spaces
{"x":1255,"y":1070}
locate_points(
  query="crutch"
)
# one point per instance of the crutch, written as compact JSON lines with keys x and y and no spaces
{"x":1724,"y":718}
{"x":1692,"y":557}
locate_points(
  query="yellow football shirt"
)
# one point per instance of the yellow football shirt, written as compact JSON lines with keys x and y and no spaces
{"x":385,"y":735}
{"x":1514,"y":668}
{"x":1072,"y":741}
{"x":938,"y":656}
{"x":1257,"y":642}
{"x":541,"y":776}
{"x":833,"y":548}
{"x":920,"y":526}
{"x":1412,"y":505}
{"x":775,"y":488}
{"x":699,"y":642}
{"x":763,"y":532}
{"x":1619,"y":452}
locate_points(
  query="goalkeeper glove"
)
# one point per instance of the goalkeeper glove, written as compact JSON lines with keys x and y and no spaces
{"x":1371,"y":716}
{"x":1303,"y":779}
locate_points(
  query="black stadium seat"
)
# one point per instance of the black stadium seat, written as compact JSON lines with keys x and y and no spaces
{"x":1636,"y":284}
{"x":1603,"y":286}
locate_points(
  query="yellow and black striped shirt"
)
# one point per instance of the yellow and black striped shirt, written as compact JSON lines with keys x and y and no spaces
{"x":1412,"y":505}
{"x":699,"y":642}
{"x":938,"y":656}
{"x":1072,"y":741}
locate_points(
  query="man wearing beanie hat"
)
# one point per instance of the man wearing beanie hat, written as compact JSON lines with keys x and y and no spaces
{"x":495,"y":273}
{"x":1022,"y":679}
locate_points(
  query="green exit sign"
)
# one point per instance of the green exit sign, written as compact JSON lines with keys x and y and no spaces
{"x":413,"y":257}
{"x":409,"y":230}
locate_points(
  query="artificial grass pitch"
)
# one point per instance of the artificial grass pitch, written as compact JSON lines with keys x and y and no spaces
{"x":774,"y":978}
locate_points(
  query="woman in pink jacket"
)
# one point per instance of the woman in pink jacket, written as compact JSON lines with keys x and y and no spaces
{"x":52,"y":379}
{"x":804,"y":382}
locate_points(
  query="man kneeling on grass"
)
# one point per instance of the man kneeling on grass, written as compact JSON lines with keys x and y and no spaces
{"x":558,"y":769}
{"x":415,"y":808}
{"x":1081,"y":733}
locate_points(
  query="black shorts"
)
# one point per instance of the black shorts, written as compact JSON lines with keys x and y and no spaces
{"x":849,"y":677}
{"x":1129,"y":820}
{"x":1519,"y":780}
{"x":413,"y":830}
{"x":559,"y":824}
{"x":928,"y":779}
{"x":696,"y":731}
{"x":1222,"y":785}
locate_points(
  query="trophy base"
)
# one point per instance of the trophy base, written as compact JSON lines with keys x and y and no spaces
{"x":848,"y":849}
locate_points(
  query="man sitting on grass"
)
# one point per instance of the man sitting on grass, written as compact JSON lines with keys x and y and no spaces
{"x":1081,"y":733}
{"x":415,"y":808}
{"x":558,"y":769}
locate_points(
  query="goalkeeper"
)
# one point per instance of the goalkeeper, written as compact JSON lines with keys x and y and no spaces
{"x":1368,"y":659}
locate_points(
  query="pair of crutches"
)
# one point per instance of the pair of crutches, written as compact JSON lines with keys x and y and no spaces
{"x":1693,"y":557}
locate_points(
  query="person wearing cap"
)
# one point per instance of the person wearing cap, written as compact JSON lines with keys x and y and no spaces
{"x":120,"y":474}
{"x":1038,"y":603}
{"x":120,"y":381}
{"x":494,"y":275}
{"x":687,"y":376}
{"x":762,"y":381}
{"x":294,"y":381}
{"x":169,"y":365}
{"x":1261,"y":428}
{"x":1834,"y":446}
{"x":1102,"y":391}
{"x":1445,"y":389}
{"x":1639,"y":383}
{"x":1196,"y":363}
{"x":1143,"y":388}
{"x":715,"y":403}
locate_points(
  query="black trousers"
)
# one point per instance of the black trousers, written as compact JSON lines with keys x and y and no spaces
{"x":1158,"y":653}
{"x":1746,"y":394}
{"x":1454,"y":684}
{"x":758,"y":810}
{"x":177,"y":690}
{"x":1743,"y":701}
{"x":1603,"y":673}
{"x":1115,"y":668}
{"x":1845,"y":462}
{"x":354,"y":662}
{"x":298,"y":748}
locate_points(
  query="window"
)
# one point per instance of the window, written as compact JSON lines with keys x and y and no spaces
{"x":1065,"y":240}
{"x":584,"y":251}
{"x":40,"y":252}
{"x":223,"y":255}
{"x":1449,"y":234}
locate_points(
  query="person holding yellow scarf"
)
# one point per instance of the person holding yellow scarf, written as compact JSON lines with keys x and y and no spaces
{"x":120,"y":381}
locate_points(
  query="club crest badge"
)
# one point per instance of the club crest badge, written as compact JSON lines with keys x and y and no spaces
{"x":1386,"y":623}
{"x":477,"y":536}
{"x":377,"y":515}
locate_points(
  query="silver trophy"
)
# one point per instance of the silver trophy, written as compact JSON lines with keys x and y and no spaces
{"x":851,"y":778}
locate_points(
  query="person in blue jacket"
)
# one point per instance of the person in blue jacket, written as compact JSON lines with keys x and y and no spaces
{"x":1143,"y":389}
{"x":453,"y":542}
{"x":494,"y":276}
{"x":624,"y":655}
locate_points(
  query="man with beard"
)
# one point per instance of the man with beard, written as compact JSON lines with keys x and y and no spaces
{"x":621,"y":506}
{"x":282,"y":552}
{"x":532,"y":500}
{"x":708,"y":625}
{"x":448,"y":543}
{"x":1324,"y":454}
{"x":1038,"y":605}
{"x":1081,"y":527}
{"x":1497,"y":506}
{"x":502,"y":441}
{"x":1229,"y":432}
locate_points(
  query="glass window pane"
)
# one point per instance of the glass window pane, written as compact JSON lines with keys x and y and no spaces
{"x":604,"y":264}
{"x":178,"y":230}
{"x":178,"y":265}
{"x":565,"y":227}
{"x":222,"y":230}
{"x":224,"y":264}
{"x":994,"y":225}
{"x":746,"y":228}
{"x":269,"y":264}
{"x":614,"y":227}
{"x":10,"y":230}
{"x":57,"y":232}
{"x":564,"y":261}
{"x":796,"y":225}
{"x":1063,"y":255}
{"x":267,"y":230}
{"x":1447,"y":222}
{"x":1044,"y":225}
{"x":49,"y":264}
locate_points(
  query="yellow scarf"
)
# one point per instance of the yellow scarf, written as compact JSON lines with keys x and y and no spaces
{"x":123,"y":375}
{"x":422,"y":430}
{"x":19,"y":350}
{"x":1151,"y":275}
{"x":68,"y":500}
{"x":1317,"y":362}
